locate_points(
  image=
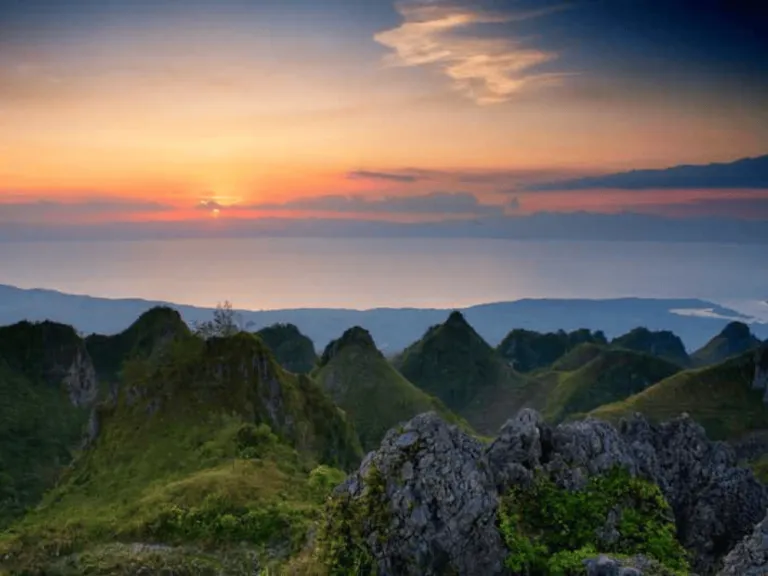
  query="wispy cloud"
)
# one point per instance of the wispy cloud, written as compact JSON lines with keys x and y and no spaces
{"x":51,"y":211}
{"x":486,"y":69}
{"x":433,"y":204}
{"x":390,"y":176}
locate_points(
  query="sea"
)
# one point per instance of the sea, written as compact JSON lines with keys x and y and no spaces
{"x":360,"y":273}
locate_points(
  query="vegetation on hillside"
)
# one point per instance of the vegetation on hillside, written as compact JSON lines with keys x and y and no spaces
{"x":736,"y":338}
{"x":663,"y":344}
{"x":526,"y":350}
{"x":718,"y":397}
{"x":40,"y":425}
{"x":375,"y":396}
{"x":293,"y":350}
{"x":453,"y":363}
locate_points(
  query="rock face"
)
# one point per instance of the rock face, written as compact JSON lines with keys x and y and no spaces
{"x":442,"y":487}
{"x":750,"y":556}
{"x":440,"y":502}
{"x":80,"y":380}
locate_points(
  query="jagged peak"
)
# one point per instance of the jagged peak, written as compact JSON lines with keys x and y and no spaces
{"x":355,"y":336}
{"x":456,"y":318}
{"x":736,"y":331}
{"x":285,"y":328}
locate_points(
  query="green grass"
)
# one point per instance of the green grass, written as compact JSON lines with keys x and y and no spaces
{"x":527,"y":350}
{"x":293,"y":350}
{"x":210,"y":445}
{"x":736,"y":338}
{"x":662,"y":343}
{"x":719,"y":397}
{"x":369,"y":389}
{"x":610,"y":376}
{"x":453,"y":363}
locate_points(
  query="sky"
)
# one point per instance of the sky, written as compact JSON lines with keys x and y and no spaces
{"x":180,"y":113}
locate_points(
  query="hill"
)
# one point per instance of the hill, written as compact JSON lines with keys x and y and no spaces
{"x":375,"y":396}
{"x":734,"y":339}
{"x":453,"y":363}
{"x":721,"y":398}
{"x":608,"y":376}
{"x":293,"y":350}
{"x":212,"y":457}
{"x":47,"y":388}
{"x":152,"y":329}
{"x":526,"y":350}
{"x":662,"y":343}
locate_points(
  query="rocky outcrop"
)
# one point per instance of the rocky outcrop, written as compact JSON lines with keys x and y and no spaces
{"x":442,"y":489}
{"x":439,"y":502}
{"x":750,"y":556}
{"x":80,"y":380}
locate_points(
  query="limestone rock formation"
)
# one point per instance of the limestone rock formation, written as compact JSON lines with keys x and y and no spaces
{"x":439,"y":501}
{"x":750,"y":556}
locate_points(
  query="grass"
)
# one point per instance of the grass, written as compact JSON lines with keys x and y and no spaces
{"x":663,"y":344}
{"x":211,"y":446}
{"x":369,"y":389}
{"x":527,"y":350}
{"x":719,"y":397}
{"x":453,"y":363}
{"x":736,"y":338}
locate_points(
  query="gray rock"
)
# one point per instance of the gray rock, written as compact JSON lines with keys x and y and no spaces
{"x":80,"y":379}
{"x":441,"y":502}
{"x":750,"y":556}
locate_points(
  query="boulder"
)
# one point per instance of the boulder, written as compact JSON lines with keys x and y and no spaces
{"x":750,"y":556}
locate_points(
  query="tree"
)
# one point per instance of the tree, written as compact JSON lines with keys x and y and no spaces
{"x":226,"y":322}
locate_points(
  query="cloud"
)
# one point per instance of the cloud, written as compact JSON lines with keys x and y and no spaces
{"x":745,"y":208}
{"x":435,"y":203}
{"x":486,"y":69}
{"x":49,"y":210}
{"x":513,"y":203}
{"x":744,"y":173}
{"x":391,"y":176}
{"x":209,"y":205}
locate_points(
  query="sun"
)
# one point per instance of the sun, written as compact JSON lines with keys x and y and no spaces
{"x":215,"y":213}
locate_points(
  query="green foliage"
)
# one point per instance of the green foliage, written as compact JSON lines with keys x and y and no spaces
{"x":759,"y":467}
{"x":293,"y":350}
{"x":342,"y":547}
{"x":663,"y":344}
{"x":549,"y":531}
{"x":453,"y":363}
{"x":719,"y":397}
{"x":526,"y":350}
{"x":39,"y":426}
{"x":225,"y":322}
{"x":369,"y":389}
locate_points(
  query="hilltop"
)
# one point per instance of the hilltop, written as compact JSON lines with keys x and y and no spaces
{"x":293,"y":350}
{"x":453,"y":363}
{"x":526,"y":350}
{"x":209,"y":444}
{"x":367,"y":387}
{"x":736,"y":338}
{"x":662,"y":343}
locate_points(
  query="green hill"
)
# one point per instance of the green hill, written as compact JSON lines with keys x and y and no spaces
{"x":719,"y":397}
{"x":736,"y":338}
{"x":293,"y":350}
{"x":526,"y":350}
{"x":453,"y":363}
{"x":663,"y":344}
{"x":47,"y":386}
{"x":209,"y":459}
{"x":609,"y":376}
{"x":140,"y":339}
{"x":367,"y":387}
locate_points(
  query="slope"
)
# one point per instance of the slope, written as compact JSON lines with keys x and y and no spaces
{"x":609,"y":376}
{"x":453,"y":363}
{"x":293,"y":350}
{"x":367,"y":387}
{"x":736,"y":338}
{"x":208,"y":455}
{"x":721,"y":398}
{"x":47,"y":385}
{"x":662,"y":343}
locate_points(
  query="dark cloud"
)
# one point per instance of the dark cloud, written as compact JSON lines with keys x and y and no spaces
{"x":390,"y":176}
{"x":436,"y":203}
{"x":746,"y":208}
{"x":45,"y":210}
{"x":745,"y":173}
